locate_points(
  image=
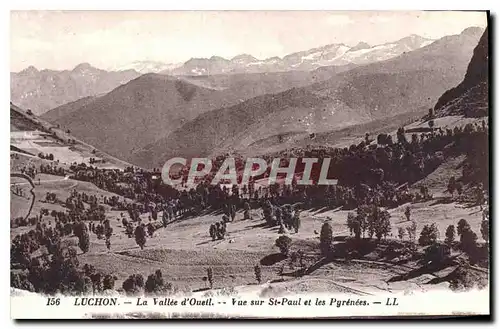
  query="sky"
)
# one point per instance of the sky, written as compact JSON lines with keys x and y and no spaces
{"x":63,"y":39}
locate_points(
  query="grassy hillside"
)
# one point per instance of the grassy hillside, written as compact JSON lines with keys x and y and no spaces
{"x":409,"y":83}
{"x":66,"y":109}
{"x":34,"y":135}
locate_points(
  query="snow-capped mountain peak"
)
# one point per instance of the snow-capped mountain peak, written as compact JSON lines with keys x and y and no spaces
{"x":147,"y":66}
{"x":359,"y":46}
{"x":329,"y":55}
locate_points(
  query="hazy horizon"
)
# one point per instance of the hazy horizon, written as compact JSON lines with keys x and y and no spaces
{"x":60,"y":40}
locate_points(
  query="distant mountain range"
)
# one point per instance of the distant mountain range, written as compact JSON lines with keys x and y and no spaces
{"x":40,"y":91}
{"x":145,"y":67}
{"x":151,"y":106}
{"x":408,"y":83}
{"x":334,"y":54}
{"x":43,"y":90}
{"x":155,"y":117}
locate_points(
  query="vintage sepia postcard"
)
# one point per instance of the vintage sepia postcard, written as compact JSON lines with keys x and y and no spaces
{"x":249,"y":164}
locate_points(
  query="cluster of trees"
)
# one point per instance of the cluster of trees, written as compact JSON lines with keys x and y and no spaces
{"x":23,"y":245}
{"x":50,"y":197}
{"x":218,"y":230}
{"x":155,"y":284}
{"x":46,"y":156}
{"x":297,"y":257}
{"x":94,"y":160}
{"x":384,"y":168}
{"x":82,"y":233}
{"x":141,"y":230}
{"x":283,"y":242}
{"x":57,"y":270}
{"x":369,"y":220}
{"x":74,"y":218}
{"x":137,"y":184}
{"x":287,"y":216}
{"x":429,"y":235}
{"x":437,"y":251}
{"x":17,"y":190}
{"x":21,"y":221}
{"x":52,"y":170}
{"x":411,"y":230}
{"x":29,"y":170}
{"x":102,"y":230}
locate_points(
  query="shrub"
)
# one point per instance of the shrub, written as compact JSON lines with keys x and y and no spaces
{"x":155,"y":284}
{"x":436,"y":253}
{"x":109,"y":282}
{"x":84,"y":285}
{"x":283,"y":243}
{"x":133,"y":284}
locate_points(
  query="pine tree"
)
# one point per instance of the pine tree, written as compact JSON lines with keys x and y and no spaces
{"x":258,"y":273}
{"x":468,"y":244}
{"x":382,"y":224}
{"x":326,"y":238}
{"x":84,"y":241}
{"x":140,"y":236}
{"x":412,"y":231}
{"x":450,"y":235}
{"x":462,"y":226}
{"x":429,"y":235}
